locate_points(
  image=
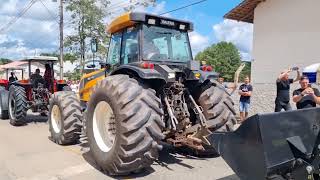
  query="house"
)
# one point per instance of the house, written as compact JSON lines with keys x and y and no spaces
{"x":286,"y":34}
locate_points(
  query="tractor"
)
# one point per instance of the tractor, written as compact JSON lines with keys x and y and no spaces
{"x":151,"y":90}
{"x":4,"y":87}
{"x":33,"y":93}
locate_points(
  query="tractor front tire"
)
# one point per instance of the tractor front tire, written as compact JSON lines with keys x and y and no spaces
{"x":17,"y":105}
{"x":65,"y":118}
{"x":123,"y":125}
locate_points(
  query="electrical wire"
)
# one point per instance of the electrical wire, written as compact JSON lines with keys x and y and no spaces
{"x":54,"y":16}
{"x":183,"y":7}
{"x":7,"y":26}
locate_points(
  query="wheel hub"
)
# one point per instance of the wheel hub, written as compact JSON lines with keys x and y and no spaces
{"x":56,"y":118}
{"x":12,"y":108}
{"x":104,"y":127}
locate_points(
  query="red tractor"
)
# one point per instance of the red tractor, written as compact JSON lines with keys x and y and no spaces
{"x":33,"y":93}
{"x":4,"y":87}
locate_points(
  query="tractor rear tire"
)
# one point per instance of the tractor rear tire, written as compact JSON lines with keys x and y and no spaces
{"x":17,"y":105}
{"x":4,"y":97}
{"x":218,"y":108}
{"x":123,"y":125}
{"x":65,"y":118}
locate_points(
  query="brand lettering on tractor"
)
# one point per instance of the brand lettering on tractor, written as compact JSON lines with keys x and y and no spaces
{"x":166,"y":22}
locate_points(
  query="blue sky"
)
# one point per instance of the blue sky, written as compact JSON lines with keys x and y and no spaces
{"x":204,"y":14}
{"x":37,"y":31}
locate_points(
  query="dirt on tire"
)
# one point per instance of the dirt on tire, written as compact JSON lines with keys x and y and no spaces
{"x":138,"y":125}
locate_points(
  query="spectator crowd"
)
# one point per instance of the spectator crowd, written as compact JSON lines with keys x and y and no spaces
{"x":305,"y":96}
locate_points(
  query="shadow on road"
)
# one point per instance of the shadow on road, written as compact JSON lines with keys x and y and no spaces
{"x":35,"y":118}
{"x":232,"y":177}
{"x":168,"y":157}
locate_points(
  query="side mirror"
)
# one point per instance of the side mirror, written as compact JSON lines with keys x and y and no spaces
{"x":91,"y":66}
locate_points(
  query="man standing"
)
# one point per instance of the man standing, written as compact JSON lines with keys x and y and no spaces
{"x":13,"y":77}
{"x":306,"y":96}
{"x":245,"y":92}
{"x":283,"y":90}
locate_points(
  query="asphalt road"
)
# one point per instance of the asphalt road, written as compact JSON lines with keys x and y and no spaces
{"x":26,"y":153}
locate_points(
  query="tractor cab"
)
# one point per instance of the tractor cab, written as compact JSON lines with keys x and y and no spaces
{"x":141,"y":37}
{"x":41,"y":73}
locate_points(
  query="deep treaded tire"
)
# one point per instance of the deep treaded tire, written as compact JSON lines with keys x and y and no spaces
{"x":65,"y":118}
{"x":4,"y":96}
{"x":17,"y":105}
{"x":134,"y":123}
{"x":218,"y":109}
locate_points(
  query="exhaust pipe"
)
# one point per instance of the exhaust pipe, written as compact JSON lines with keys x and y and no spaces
{"x":284,"y":144}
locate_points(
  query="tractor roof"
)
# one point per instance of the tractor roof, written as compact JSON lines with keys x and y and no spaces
{"x":40,"y":59}
{"x":129,"y":19}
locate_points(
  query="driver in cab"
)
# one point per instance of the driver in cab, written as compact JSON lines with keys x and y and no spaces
{"x":36,"y":78}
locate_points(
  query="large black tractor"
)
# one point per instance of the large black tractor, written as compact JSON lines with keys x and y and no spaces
{"x":150,"y":91}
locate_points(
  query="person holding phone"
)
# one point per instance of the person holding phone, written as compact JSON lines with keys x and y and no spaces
{"x":306,"y":96}
{"x":283,"y":89}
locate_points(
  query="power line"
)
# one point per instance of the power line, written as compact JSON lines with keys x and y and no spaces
{"x":16,"y":18}
{"x":54,"y":16}
{"x":192,"y":4}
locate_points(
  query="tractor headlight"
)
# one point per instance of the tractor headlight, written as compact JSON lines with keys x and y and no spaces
{"x":171,"y":75}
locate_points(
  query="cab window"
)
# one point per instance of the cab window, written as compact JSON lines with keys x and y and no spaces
{"x":114,"y":49}
{"x":130,"y":47}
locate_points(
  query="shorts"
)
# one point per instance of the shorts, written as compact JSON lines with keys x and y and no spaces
{"x":244,"y":106}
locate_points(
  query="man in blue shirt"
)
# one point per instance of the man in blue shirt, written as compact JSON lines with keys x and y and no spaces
{"x":245,"y":92}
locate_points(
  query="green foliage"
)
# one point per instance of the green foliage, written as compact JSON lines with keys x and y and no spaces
{"x":66,"y":57}
{"x":88,"y":22}
{"x":5,"y":61}
{"x":76,"y":75}
{"x":224,"y":57}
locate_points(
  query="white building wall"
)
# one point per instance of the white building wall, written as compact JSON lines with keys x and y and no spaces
{"x":286,"y":34}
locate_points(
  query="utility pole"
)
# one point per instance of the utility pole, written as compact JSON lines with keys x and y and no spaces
{"x":61,"y":39}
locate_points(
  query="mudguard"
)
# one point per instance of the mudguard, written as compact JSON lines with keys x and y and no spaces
{"x":208,"y":76}
{"x":142,"y":73}
{"x":265,"y":145}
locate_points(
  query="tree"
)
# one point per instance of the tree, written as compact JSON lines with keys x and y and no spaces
{"x":66,"y":57}
{"x":87,"y":21}
{"x":5,"y":61}
{"x":224,"y":57}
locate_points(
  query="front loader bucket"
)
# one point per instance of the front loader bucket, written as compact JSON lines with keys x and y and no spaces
{"x":272,"y":144}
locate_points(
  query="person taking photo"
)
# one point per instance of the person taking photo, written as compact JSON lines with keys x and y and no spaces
{"x":283,"y":89}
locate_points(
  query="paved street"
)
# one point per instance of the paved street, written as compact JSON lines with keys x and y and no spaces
{"x":26,"y":153}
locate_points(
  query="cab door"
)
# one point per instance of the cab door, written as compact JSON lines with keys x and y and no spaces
{"x":88,"y":81}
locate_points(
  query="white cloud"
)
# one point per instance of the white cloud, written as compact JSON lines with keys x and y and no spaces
{"x":239,"y":33}
{"x":198,"y":42}
{"x":159,"y":8}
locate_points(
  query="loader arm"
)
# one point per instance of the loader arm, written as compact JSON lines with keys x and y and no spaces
{"x":282,"y":144}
